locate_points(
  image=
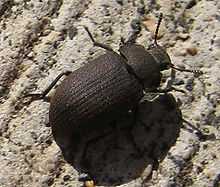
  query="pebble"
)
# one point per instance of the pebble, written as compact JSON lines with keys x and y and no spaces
{"x":89,"y":183}
{"x":183,"y":36}
{"x":192,"y":51}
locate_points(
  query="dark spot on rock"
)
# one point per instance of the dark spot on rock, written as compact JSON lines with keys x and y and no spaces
{"x":136,"y":25}
{"x":189,"y":84}
{"x":66,"y":177}
{"x":191,"y":4}
{"x":141,"y":9}
{"x":72,"y":32}
{"x":120,"y":2}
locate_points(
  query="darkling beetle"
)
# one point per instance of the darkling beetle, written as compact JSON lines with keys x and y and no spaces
{"x":105,"y":88}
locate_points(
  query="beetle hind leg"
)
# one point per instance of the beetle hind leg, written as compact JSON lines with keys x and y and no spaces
{"x":139,"y":153}
{"x":84,"y":161}
{"x":37,"y":96}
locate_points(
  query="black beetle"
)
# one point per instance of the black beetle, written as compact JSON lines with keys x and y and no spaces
{"x":105,"y":88}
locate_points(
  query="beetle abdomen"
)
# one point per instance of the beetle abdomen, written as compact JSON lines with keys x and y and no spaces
{"x":96,"y":93}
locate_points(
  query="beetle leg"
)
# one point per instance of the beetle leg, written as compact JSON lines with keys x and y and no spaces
{"x":168,"y":87}
{"x":139,"y":152}
{"x":198,"y":132}
{"x":172,"y":78}
{"x":84,"y":160}
{"x":36,"y":96}
{"x":130,"y":134}
{"x":104,"y":46}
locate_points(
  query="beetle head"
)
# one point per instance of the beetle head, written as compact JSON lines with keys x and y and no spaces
{"x":147,"y":64}
{"x":161,"y":57}
{"x":158,"y":52}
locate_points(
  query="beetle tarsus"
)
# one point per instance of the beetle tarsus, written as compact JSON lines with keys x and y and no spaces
{"x":168,"y":89}
{"x":201,"y":135}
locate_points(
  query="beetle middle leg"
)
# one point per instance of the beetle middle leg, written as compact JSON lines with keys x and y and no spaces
{"x":95,"y":43}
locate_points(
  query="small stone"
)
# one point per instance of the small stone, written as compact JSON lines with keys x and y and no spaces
{"x":183,"y":36}
{"x":30,"y":55}
{"x":89,"y":183}
{"x":192,"y":51}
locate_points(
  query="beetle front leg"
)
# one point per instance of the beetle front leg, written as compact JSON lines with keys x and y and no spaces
{"x":104,"y":46}
{"x":169,"y":87}
{"x":36,"y":96}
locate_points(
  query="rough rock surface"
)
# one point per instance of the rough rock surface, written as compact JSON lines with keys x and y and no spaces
{"x":40,"y":39}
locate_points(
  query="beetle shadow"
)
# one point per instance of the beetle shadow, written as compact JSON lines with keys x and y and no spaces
{"x":113,"y":159}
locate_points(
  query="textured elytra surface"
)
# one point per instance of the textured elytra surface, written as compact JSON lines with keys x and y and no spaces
{"x":39,"y":39}
{"x":91,"y":89}
{"x":94,"y":95}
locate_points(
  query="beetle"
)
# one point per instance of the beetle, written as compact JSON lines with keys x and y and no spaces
{"x":105,"y":88}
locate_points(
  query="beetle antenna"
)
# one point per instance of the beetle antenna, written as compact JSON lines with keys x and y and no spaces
{"x":157,"y":29}
{"x":195,"y":72}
